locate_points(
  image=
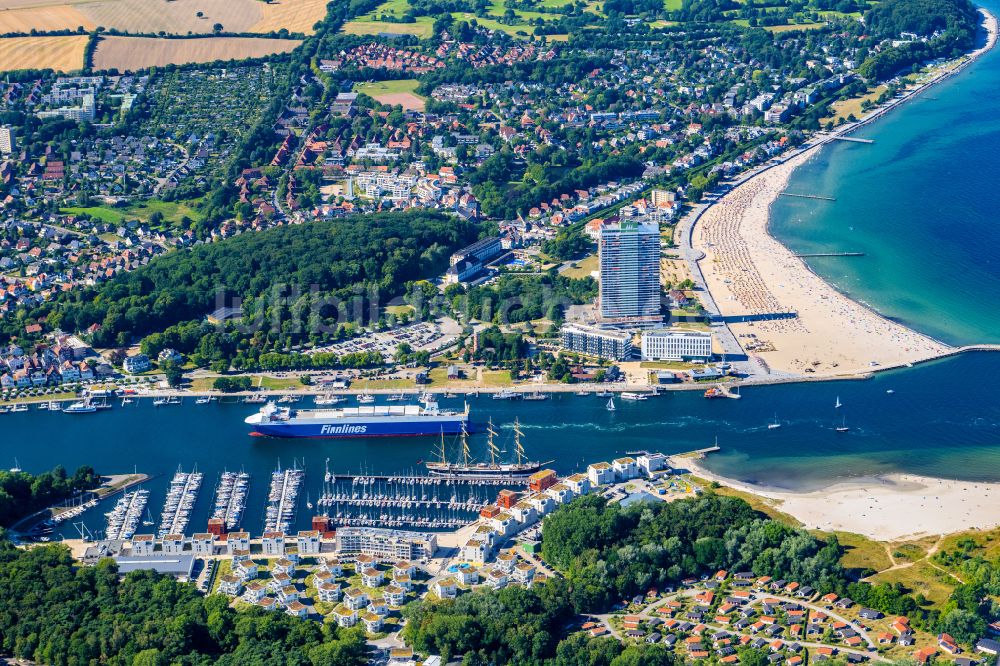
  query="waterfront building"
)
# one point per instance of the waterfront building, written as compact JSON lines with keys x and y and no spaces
{"x":629,"y":258}
{"x":506,"y":560}
{"x":173,"y":544}
{"x":600,"y":474}
{"x":246,"y":569}
{"x":502,"y":523}
{"x":542,"y":504}
{"x":136,"y":364}
{"x":308,"y":542}
{"x":542,"y":480}
{"x":670,"y":345}
{"x":578,"y":483}
{"x":404,"y":567}
{"x":385,"y":545}
{"x":560,"y":493}
{"x":614,"y":345}
{"x":273,"y":544}
{"x":143,"y":545}
{"x":651,"y":462}
{"x":203,"y":544}
{"x":524,"y":513}
{"x":625,"y":468}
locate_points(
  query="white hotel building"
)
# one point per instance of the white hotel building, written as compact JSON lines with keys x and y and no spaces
{"x":665,"y":345}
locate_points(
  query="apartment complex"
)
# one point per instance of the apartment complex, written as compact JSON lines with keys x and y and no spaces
{"x":614,"y":345}
{"x":667,"y":345}
{"x":386,"y":545}
{"x":7,"y":143}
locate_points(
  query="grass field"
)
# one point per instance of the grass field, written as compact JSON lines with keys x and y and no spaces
{"x":151,"y":16}
{"x":172,"y":211}
{"x":862,"y":552}
{"x":423,"y":28}
{"x":398,"y":91}
{"x":63,"y":54}
{"x":134,"y":53}
{"x":797,"y":26}
{"x":843,"y":109}
{"x":582,"y":268}
{"x":921,"y":578}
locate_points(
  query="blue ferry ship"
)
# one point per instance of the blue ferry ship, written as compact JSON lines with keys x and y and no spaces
{"x":365,"y":421}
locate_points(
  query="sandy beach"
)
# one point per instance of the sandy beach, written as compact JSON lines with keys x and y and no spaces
{"x":803,"y":322}
{"x":888,"y":507}
{"x":797,"y":322}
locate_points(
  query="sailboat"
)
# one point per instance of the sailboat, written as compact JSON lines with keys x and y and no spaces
{"x":843,"y":426}
{"x":837,"y":405}
{"x":467,"y":468}
{"x":611,"y":404}
{"x":774,"y":425}
{"x":16,"y":468}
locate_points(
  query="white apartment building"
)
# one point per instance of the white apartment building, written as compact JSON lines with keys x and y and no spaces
{"x":666,"y":345}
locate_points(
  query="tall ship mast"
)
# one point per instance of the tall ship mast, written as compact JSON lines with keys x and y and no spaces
{"x":467,"y":468}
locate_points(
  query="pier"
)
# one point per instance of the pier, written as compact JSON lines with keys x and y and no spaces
{"x":369,"y":479}
{"x":180,"y":501}
{"x":852,"y":139}
{"x":124,"y":519}
{"x":831,"y":254}
{"x":807,"y":196}
{"x":281,"y":500}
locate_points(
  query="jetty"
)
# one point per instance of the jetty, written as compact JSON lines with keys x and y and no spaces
{"x":852,"y":139}
{"x":830,"y":254}
{"x":231,"y":498}
{"x":180,"y":501}
{"x":124,"y":519}
{"x":807,"y":196}
{"x":282,"y":499}
{"x":490,"y":480}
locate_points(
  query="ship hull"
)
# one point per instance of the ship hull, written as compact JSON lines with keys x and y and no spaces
{"x":429,"y":427}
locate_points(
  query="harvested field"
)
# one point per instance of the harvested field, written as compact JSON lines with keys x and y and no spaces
{"x":133,"y":53}
{"x":152,"y":16}
{"x":63,"y":54}
{"x":295,"y":15}
{"x":424,"y":27}
{"x":16,"y":18}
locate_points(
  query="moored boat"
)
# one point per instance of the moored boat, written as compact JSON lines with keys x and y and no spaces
{"x":371,"y":421}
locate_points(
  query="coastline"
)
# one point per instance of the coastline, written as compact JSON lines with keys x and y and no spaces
{"x":885,"y":507}
{"x":797,"y":322}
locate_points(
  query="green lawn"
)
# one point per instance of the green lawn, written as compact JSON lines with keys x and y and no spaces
{"x":387,"y":87}
{"x":172,"y":211}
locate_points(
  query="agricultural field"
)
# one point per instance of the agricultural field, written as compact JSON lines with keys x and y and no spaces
{"x":134,"y":53}
{"x":63,"y":54}
{"x":171,"y":16}
{"x":394,"y":92}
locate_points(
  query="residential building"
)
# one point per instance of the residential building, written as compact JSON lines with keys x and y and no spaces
{"x":629,"y":258}
{"x":614,"y":345}
{"x":7,"y":140}
{"x":386,"y":545}
{"x":136,"y":364}
{"x":669,"y":345}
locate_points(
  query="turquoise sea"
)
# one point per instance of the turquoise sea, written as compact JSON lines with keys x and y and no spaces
{"x":922,"y":202}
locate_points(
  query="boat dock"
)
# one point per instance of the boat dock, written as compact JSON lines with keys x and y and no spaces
{"x":491,"y":480}
{"x":231,"y":498}
{"x":282,"y":499}
{"x":124,"y":519}
{"x":807,"y":196}
{"x":180,"y":501}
